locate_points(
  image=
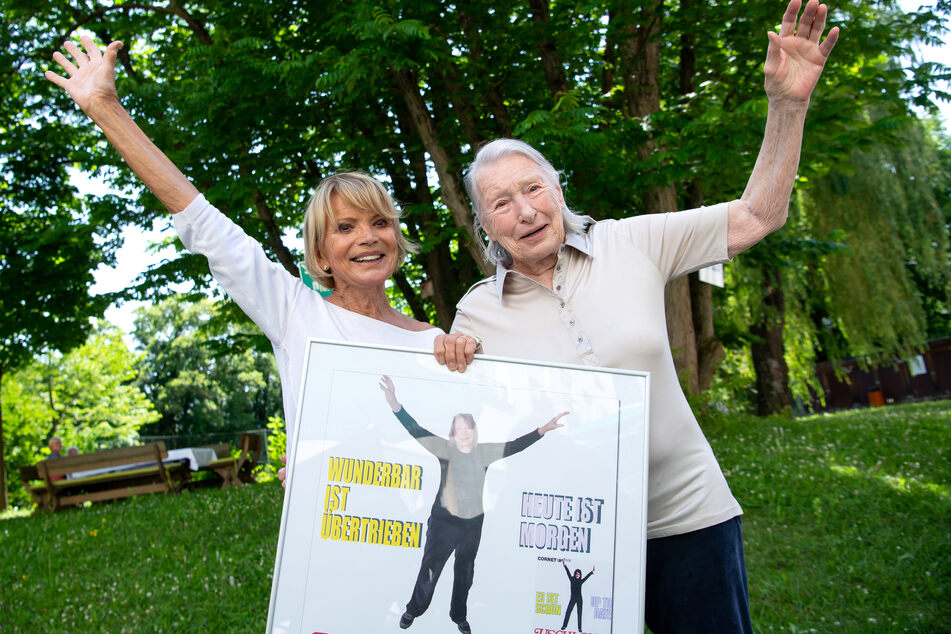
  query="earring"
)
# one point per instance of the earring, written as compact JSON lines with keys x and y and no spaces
{"x":326,"y":268}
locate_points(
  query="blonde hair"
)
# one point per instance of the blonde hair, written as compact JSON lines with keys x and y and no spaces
{"x":358,"y":190}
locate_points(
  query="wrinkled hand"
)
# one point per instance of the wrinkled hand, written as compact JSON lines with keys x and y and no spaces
{"x":282,"y":472}
{"x":455,"y":351}
{"x":389,"y":391}
{"x":795,"y":57}
{"x":92,"y":78}
{"x":552,"y":424}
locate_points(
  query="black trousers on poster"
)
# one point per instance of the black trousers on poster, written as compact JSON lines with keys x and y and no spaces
{"x":446,"y":535}
{"x":575,"y":601}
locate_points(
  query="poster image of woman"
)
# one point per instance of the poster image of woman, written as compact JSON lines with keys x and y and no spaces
{"x":455,"y":522}
{"x":576,"y":581}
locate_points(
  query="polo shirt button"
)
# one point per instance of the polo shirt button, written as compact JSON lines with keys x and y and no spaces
{"x":562,"y":304}
{"x":571,"y":323}
{"x":558,"y":288}
{"x":580,"y":339}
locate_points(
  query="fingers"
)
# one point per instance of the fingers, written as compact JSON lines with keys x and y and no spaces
{"x":788,"y":26}
{"x":92,"y":51}
{"x":56,"y":79}
{"x":456,"y":351}
{"x":81,"y":58}
{"x":819,"y":23}
{"x":282,"y":476}
{"x":829,"y":43}
{"x":439,"y":349}
{"x":774,"y":53}
{"x":67,"y":65}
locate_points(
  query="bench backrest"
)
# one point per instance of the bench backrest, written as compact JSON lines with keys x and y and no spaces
{"x":251,"y":447}
{"x":222,"y":449}
{"x":153,"y":452}
{"x":29,"y":473}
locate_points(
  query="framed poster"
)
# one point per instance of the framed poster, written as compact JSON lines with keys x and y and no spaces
{"x":512,"y":496}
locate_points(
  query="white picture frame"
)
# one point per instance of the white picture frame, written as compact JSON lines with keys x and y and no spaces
{"x":355,"y":574}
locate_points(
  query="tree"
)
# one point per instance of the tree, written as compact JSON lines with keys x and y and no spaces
{"x":50,"y":239}
{"x":202,"y":372}
{"x":645,"y":105}
{"x":84,"y":396}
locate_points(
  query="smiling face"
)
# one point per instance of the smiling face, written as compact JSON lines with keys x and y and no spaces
{"x":359,"y":247}
{"x":464,"y":433}
{"x":523,"y":214}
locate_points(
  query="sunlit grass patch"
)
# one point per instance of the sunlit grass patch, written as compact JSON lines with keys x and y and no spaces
{"x":847,"y":517}
{"x":846,"y":526}
{"x":191,"y":562}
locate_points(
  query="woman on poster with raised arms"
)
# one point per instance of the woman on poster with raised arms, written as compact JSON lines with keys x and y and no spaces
{"x":455,"y":523}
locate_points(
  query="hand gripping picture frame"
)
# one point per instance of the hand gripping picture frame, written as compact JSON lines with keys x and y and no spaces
{"x":512,"y":497}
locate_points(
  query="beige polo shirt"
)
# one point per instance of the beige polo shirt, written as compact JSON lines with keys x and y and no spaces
{"x":606,"y":308}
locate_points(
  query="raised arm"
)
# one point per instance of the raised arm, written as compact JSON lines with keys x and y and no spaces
{"x":794,"y":61}
{"x":91,"y":82}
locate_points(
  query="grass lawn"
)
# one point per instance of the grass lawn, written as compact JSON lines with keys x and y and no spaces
{"x":847,"y":526}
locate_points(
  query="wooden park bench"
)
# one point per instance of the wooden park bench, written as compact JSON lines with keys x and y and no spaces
{"x":117,"y":473}
{"x":233,"y":471}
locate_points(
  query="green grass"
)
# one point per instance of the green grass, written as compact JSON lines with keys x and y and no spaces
{"x":847,"y":521}
{"x":847,"y":528}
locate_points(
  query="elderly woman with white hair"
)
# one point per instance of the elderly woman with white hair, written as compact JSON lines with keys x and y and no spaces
{"x":571,"y":290}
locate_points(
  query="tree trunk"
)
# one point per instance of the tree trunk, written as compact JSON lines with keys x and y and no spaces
{"x":772,"y":375}
{"x":452,"y":194}
{"x":447,"y":277}
{"x":494,"y":101}
{"x":709,"y":351}
{"x":551,"y":60}
{"x":638,"y":40}
{"x":274,"y":239}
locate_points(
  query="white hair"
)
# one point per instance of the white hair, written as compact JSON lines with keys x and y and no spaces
{"x":495,"y":151}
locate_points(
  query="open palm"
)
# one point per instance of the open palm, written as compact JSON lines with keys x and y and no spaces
{"x":92,"y":77}
{"x":795,"y":58}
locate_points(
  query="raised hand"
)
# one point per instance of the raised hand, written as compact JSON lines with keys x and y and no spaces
{"x":552,"y":424}
{"x":92,"y":77}
{"x":796,"y":57}
{"x":389,"y":391}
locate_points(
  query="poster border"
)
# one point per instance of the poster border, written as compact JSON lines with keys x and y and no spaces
{"x":640,"y":546}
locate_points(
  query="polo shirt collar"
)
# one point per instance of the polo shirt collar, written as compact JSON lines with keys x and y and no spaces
{"x":578,"y":241}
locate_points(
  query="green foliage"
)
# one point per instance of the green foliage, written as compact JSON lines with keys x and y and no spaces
{"x":276,"y":447}
{"x":257,"y":101}
{"x":844,"y":527}
{"x":84,"y":396}
{"x":885,"y":200}
{"x":203,"y":372}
